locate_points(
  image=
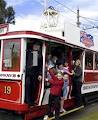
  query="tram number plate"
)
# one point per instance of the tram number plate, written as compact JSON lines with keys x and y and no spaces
{"x":7,"y":89}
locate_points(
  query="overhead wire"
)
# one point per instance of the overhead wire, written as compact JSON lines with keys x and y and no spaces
{"x":86,"y":18}
{"x":65,"y":6}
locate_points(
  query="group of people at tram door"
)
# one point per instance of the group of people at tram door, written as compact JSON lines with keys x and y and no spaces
{"x":58,"y":75}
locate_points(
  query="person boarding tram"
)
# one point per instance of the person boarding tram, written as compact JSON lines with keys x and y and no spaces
{"x":56,"y":84}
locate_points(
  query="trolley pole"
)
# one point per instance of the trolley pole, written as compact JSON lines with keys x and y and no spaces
{"x":78,"y":21}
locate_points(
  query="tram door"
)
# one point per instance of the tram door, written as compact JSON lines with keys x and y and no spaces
{"x":33,"y":70}
{"x":76,"y":54}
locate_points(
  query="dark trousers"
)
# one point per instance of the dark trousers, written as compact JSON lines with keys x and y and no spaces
{"x":54,"y":103}
{"x":77,"y":92}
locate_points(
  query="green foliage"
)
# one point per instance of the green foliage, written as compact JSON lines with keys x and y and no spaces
{"x":7,"y":14}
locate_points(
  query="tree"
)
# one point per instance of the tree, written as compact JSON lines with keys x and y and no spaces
{"x":7,"y":14}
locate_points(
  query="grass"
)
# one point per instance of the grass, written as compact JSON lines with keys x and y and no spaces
{"x":90,"y":116}
{"x":70,"y":111}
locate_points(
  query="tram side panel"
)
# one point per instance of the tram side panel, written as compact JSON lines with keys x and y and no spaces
{"x":90,"y":87}
{"x":10,"y":76}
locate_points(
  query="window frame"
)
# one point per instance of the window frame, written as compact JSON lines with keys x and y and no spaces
{"x":92,"y":61}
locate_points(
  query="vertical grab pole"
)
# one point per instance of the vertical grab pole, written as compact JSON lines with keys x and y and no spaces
{"x":83,"y":67}
{"x":43,"y":72}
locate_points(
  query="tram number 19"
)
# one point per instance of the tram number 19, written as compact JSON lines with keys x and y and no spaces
{"x":7,"y":89}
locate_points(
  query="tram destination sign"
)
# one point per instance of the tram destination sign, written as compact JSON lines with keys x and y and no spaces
{"x":14,"y":76}
{"x":91,"y":87}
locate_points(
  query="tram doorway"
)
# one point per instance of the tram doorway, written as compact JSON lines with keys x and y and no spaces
{"x":34,"y":62}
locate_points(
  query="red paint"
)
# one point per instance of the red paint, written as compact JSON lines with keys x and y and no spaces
{"x":33,"y":33}
{"x":13,"y":106}
{"x":10,"y":91}
{"x":38,"y":111}
{"x":91,"y":77}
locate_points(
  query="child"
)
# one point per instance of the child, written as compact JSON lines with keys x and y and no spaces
{"x":55,"y":93}
{"x":69,"y":87}
{"x":64,"y":91}
{"x":65,"y":70}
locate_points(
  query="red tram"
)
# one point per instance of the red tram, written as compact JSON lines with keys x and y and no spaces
{"x":23,"y":55}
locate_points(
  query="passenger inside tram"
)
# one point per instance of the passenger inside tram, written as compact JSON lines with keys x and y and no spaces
{"x":89,"y":60}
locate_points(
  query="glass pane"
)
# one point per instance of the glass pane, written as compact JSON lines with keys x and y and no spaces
{"x":96,"y":61}
{"x":89,"y":60}
{"x":11,"y":55}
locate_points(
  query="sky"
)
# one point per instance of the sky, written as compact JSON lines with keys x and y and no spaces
{"x":30,"y":11}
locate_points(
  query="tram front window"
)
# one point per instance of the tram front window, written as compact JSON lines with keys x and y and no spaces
{"x":11,"y":55}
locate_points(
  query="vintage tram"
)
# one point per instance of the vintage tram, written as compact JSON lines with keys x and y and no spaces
{"x":23,"y":55}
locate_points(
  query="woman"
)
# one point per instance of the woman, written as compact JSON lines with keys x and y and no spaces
{"x":77,"y":82}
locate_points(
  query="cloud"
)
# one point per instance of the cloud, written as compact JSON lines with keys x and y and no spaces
{"x":16,"y":2}
{"x":19,"y":2}
{"x":90,"y":13}
{"x":29,"y":22}
{"x":82,"y":3}
{"x":40,"y":1}
{"x":88,"y":8}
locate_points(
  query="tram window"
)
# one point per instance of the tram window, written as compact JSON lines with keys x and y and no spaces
{"x":59,"y":53}
{"x":89,"y":60}
{"x":11,"y":55}
{"x":35,"y":58}
{"x":33,"y":54}
{"x":96,"y":61}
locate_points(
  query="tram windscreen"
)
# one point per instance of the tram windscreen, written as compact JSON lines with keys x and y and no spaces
{"x":11,"y":55}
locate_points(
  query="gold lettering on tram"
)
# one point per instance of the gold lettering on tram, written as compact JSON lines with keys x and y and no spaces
{"x":7,"y":89}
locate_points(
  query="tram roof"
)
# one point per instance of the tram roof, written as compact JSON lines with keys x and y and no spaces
{"x":31,"y":34}
{"x":71,"y":36}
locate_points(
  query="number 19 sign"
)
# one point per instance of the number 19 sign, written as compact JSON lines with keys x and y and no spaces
{"x":10,"y":91}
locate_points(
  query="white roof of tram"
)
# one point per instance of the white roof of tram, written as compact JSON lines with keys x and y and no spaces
{"x":71,"y":34}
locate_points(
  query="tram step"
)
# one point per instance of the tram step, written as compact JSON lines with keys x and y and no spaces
{"x":67,"y":112}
